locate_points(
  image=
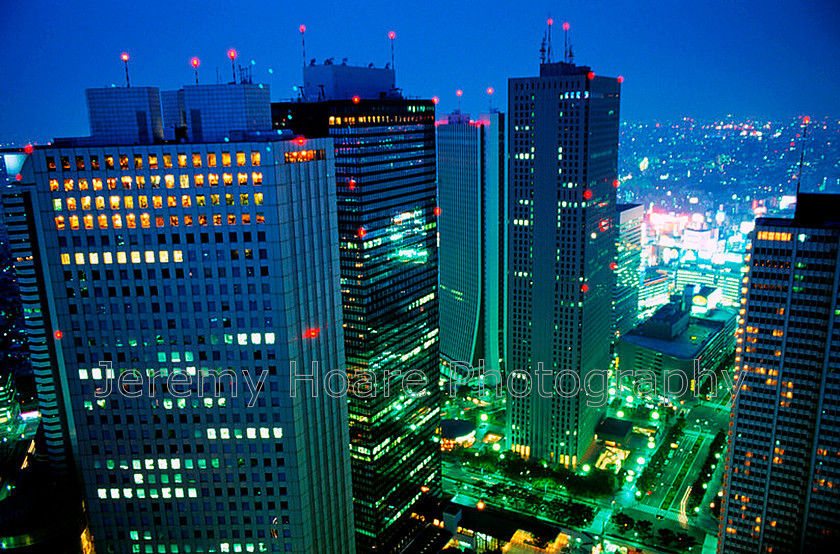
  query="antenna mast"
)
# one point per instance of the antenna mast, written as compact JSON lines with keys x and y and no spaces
{"x":550,"y":24}
{"x":566,"y":50}
{"x":124,"y":58}
{"x":392,"y":35}
{"x":806,"y":120}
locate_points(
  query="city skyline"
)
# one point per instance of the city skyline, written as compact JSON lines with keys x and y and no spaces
{"x":710,"y":68}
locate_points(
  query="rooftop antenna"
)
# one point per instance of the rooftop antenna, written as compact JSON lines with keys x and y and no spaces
{"x":490,"y":92}
{"x":542,"y":50}
{"x":232,"y":55}
{"x":124,"y":58}
{"x":550,"y":24}
{"x":195,"y":63}
{"x":392,"y":35}
{"x":566,"y":49}
{"x":459,"y":93}
{"x":805,"y":120}
{"x":303,"y":42}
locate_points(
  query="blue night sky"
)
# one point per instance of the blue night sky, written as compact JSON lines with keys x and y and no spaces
{"x":702,"y":59}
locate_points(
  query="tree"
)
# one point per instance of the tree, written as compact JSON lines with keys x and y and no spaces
{"x":644,"y":527}
{"x":624,"y":522}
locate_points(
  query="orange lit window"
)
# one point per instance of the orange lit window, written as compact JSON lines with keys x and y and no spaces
{"x":126,"y":182}
{"x":153,"y":164}
{"x":170,"y":181}
{"x":117,"y":220}
{"x":68,"y":184}
{"x":246,"y":219}
{"x":54,"y":185}
{"x":182,"y":160}
{"x":202,"y":220}
{"x":100,"y":202}
{"x":228,"y":200}
{"x":112,"y":183}
{"x":115,"y":202}
{"x":158,"y":221}
{"x":83,"y":184}
{"x":211,"y":159}
{"x":103,"y":221}
{"x":243,"y":199}
{"x":185,"y":181}
{"x":171,"y":202}
{"x":227,"y":178}
{"x":138,"y":161}
{"x":188,"y":220}
{"x":130,"y":221}
{"x":173,"y":220}
{"x":186,"y":200}
{"x":240,"y":158}
{"x":217,"y":219}
{"x":231,"y":219}
{"x":109,"y":161}
{"x":123,"y":161}
{"x":199,"y":180}
{"x":155,"y":181}
{"x":88,"y":219}
{"x":255,"y":158}
{"x":225,"y":159}
{"x":59,"y":222}
{"x":243,"y":178}
{"x":257,"y":177}
{"x":145,"y":221}
{"x":213,"y":179}
{"x":214,"y":199}
{"x":157,"y":202}
{"x":97,"y":184}
{"x":143,"y":202}
{"x":71,"y":203}
{"x":260,"y":219}
{"x":196,"y":160}
{"x":128,"y":202}
{"x":200,"y":200}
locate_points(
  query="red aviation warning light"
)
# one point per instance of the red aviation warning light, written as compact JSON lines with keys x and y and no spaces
{"x":312,"y":333}
{"x":300,"y":140}
{"x":587,"y":194}
{"x":566,"y":26}
{"x":437,"y":211}
{"x":361,"y":232}
{"x":392,"y":35}
{"x":28,"y":148}
{"x":356,"y":99}
{"x":351,"y":184}
{"x":124,"y":56}
{"x":590,"y":75}
{"x":490,"y":90}
{"x":195,"y":62}
{"x":584,"y":288}
{"x":620,"y":79}
{"x":232,"y":54}
{"x":435,"y":99}
{"x":302,"y":28}
{"x":459,"y":93}
{"x":613,"y":266}
{"x":615,"y":183}
{"x":58,"y":335}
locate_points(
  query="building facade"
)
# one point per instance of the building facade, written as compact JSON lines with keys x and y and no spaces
{"x":783,"y":466}
{"x":563,"y":149}
{"x":173,"y":291}
{"x":387,"y":228}
{"x":629,"y":218}
{"x":471,"y":195}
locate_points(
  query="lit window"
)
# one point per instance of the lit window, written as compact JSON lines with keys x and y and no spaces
{"x":178,"y":256}
{"x":243,"y":178}
{"x":182,"y":160}
{"x":88,"y":219}
{"x":211,"y":159}
{"x":256,"y":176}
{"x":117,"y":219}
{"x":217,"y":219}
{"x":200,"y":199}
{"x":130,"y":221}
{"x":155,"y":181}
{"x":100,"y":202}
{"x":158,"y":221}
{"x":112,"y":183}
{"x":57,"y":204}
{"x":97,"y":184}
{"x":121,"y":258}
{"x":94,"y":258}
{"x":71,"y":203}
{"x":202,"y":220}
{"x":213,"y":179}
{"x":83,"y":184}
{"x":94,"y":163}
{"x":150,"y":257}
{"x":269,"y":338}
{"x":138,"y":161}
{"x":214,"y":199}
{"x":186,"y":200}
{"x":196,"y":160}
{"x":243,"y":199}
{"x":144,"y":221}
{"x":173,"y":220}
{"x":80,"y":258}
{"x":108,"y":258}
{"x":109,"y":161}
{"x":128,"y":202}
{"x":123,"y":161}
{"x":231,"y":219}
{"x":163,"y":256}
{"x":80,"y":163}
{"x":258,"y":199}
{"x":65,"y":259}
{"x":240,"y":158}
{"x":68,"y":184}
{"x":199,"y":180}
{"x":167,"y":161}
{"x":54,"y":185}
{"x":126,"y":182}
{"x":141,"y":182}
{"x":227,"y":178}
{"x":255,"y":158}
{"x":171,"y":202}
{"x":85,"y":202}
{"x":188,"y":220}
{"x":170,"y":181}
{"x":260,"y":219}
{"x":157,"y":202}
{"x":115,"y":202}
{"x":153,"y":164}
{"x":74,"y":222}
{"x":59,"y":222}
{"x":246,"y":219}
{"x":226,"y":159}
{"x":135,"y":257}
{"x":185,"y":181}
{"x":228,"y":200}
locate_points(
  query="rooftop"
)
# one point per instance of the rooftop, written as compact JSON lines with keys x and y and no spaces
{"x":691,"y":342}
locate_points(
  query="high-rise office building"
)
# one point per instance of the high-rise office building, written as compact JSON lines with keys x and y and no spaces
{"x":563,"y":133}
{"x":387,"y":228}
{"x":162,"y":282}
{"x":125,"y":115}
{"x":783,"y":466}
{"x":471,"y":193}
{"x":724,"y":273}
{"x":628,"y":277}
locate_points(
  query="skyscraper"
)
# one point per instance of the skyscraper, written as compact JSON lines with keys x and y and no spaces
{"x":628,"y":278}
{"x":783,"y":461}
{"x":387,"y":227}
{"x":563,"y":133}
{"x":471,"y":179}
{"x":162,"y":283}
